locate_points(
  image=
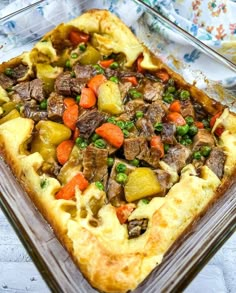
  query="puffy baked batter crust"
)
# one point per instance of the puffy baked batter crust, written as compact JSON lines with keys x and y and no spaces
{"x":109,"y":260}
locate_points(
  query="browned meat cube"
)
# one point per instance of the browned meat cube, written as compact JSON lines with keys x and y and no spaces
{"x":187,"y":109}
{"x":55,"y":106}
{"x":153,"y":91}
{"x":216,"y":161}
{"x":203,"y":137}
{"x":156,"y":111}
{"x":168,"y":133}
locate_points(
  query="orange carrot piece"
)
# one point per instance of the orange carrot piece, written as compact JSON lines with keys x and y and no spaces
{"x":213,"y":119}
{"x":175,"y":106}
{"x":157,"y":144}
{"x":131,"y":79}
{"x":69,"y":102}
{"x":77,"y":37}
{"x":95,"y":82}
{"x":124,"y":211}
{"x":112,"y":133}
{"x":76,"y":133}
{"x":176,"y":117}
{"x":63,"y":151}
{"x":106,"y":63}
{"x":70,"y":116}
{"x":163,"y":75}
{"x":68,"y":190}
{"x":199,"y":124}
{"x":88,"y":98}
{"x":139,"y":67}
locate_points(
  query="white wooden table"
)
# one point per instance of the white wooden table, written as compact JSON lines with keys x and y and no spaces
{"x":19,"y":274}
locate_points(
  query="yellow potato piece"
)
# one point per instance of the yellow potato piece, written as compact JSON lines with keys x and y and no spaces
{"x":11,"y":115}
{"x":109,"y":98}
{"x":52,"y":132}
{"x":90,"y":56}
{"x":46,"y":150}
{"x":142,"y":182}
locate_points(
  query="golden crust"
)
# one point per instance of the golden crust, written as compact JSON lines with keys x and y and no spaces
{"x":105,"y":255}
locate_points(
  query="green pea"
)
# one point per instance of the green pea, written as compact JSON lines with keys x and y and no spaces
{"x":184,"y":95}
{"x":111,"y":120}
{"x":99,"y":185}
{"x":114,"y":65}
{"x":99,"y":69}
{"x":135,"y":94}
{"x":189,"y":120}
{"x":100,"y":143}
{"x":188,"y":141}
{"x":79,"y":140}
{"x":139,"y":114}
{"x":193,"y":130}
{"x":205,"y":151}
{"x":120,"y":124}
{"x":114,"y":79}
{"x":9,"y":89}
{"x":121,"y":168}
{"x":126,"y":133}
{"x":68,"y":65}
{"x":197,"y":155}
{"x":43,"y":183}
{"x":183,"y":141}
{"x":94,"y":137}
{"x":171,"y":82}
{"x":135,"y":162}
{"x":8,"y":71}
{"x":166,"y":147}
{"x":182,"y":130}
{"x":43,"y":104}
{"x":206,"y":123}
{"x":78,"y":98}
{"x":168,"y":98}
{"x":158,"y":126}
{"x":72,"y":74}
{"x":83,"y":145}
{"x":110,"y":162}
{"x":129,"y":125}
{"x":74,"y":55}
{"x":82,"y":47}
{"x":171,"y":89}
{"x":145,"y":201}
{"x":121,"y":178}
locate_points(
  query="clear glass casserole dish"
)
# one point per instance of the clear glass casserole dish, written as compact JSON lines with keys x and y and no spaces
{"x":202,"y":239}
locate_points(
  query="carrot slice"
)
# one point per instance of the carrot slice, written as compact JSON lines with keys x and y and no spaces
{"x":106,"y":63}
{"x":157,"y":144}
{"x":177,"y":118}
{"x":77,"y":37}
{"x":68,"y":190}
{"x":131,"y":79}
{"x":199,"y":124}
{"x":70,"y":116}
{"x":175,"y":106}
{"x":63,"y":151}
{"x":139,"y":67}
{"x":163,"y":75}
{"x":219,"y":130}
{"x":95,"y":82}
{"x":69,"y":102}
{"x":213,"y":119}
{"x":76,"y":133}
{"x":88,"y":98}
{"x":124,"y":211}
{"x":112,"y":133}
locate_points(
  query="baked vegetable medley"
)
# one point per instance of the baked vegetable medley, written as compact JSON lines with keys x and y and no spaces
{"x":118,"y":152}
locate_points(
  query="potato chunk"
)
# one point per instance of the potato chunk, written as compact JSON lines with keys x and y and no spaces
{"x":109,"y":98}
{"x":48,"y":74}
{"x":142,"y":182}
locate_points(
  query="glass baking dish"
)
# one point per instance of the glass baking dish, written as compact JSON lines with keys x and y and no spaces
{"x":18,"y":32}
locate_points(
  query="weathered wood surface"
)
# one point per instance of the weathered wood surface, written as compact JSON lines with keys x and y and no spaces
{"x":19,"y":274}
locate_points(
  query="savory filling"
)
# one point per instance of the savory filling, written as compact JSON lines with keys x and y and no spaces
{"x":129,"y":130}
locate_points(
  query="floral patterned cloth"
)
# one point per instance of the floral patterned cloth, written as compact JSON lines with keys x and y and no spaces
{"x":211,"y":21}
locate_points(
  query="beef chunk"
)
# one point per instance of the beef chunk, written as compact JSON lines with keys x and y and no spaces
{"x":164,"y":178}
{"x":137,"y":227}
{"x":89,"y":121}
{"x":131,"y":107}
{"x":34,"y":113}
{"x":145,"y":127}
{"x":177,"y":157}
{"x":55,"y":106}
{"x":216,"y":161}
{"x":187,"y":109}
{"x":124,"y":88}
{"x":85,"y":72}
{"x":121,"y":73}
{"x":199,"y":111}
{"x":5,"y":81}
{"x":66,"y":85}
{"x":152,"y":91}
{"x":19,"y":71}
{"x":156,"y":111}
{"x":30,"y":89}
{"x":168,"y":133}
{"x":95,"y":164}
{"x":203,"y":137}
{"x":133,"y":147}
